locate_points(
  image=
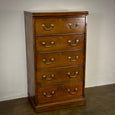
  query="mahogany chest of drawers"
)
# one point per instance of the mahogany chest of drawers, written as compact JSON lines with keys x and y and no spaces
{"x":56,"y":52}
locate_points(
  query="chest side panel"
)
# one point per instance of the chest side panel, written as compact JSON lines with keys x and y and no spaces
{"x":30,"y":55}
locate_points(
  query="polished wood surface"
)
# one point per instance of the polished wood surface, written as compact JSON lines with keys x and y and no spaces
{"x":60,"y":25}
{"x":68,"y":42}
{"x":60,"y":59}
{"x":59,"y":75}
{"x":60,"y":92}
{"x":57,"y":14}
{"x":58,"y":49}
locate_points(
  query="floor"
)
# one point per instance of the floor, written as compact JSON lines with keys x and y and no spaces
{"x":100,"y":101}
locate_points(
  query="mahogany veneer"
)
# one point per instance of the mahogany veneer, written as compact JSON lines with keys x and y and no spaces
{"x":60,"y":43}
{"x":56,"y":52}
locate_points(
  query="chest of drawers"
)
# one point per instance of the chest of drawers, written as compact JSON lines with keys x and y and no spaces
{"x":56,"y":52}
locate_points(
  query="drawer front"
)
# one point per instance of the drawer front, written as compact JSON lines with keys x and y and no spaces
{"x":56,"y":75}
{"x":60,"y":59}
{"x":53,"y":43}
{"x":59,"y":25}
{"x":59,"y":92}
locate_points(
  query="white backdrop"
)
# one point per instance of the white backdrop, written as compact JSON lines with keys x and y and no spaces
{"x":100,"y":42}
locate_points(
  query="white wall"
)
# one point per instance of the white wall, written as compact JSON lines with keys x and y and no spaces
{"x":100,"y":43}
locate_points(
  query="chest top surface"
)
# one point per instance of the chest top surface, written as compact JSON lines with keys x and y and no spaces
{"x":57,"y":13}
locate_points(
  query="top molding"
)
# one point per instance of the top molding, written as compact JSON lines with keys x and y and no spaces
{"x":57,"y":14}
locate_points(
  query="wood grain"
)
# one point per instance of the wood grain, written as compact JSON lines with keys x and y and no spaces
{"x":57,"y":14}
{"x":60,"y":75}
{"x":63,"y":89}
{"x":60,"y":43}
{"x":60,"y":92}
{"x":60,"y":59}
{"x":60,"y":25}
{"x":30,"y":55}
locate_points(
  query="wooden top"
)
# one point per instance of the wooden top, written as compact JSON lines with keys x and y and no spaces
{"x":56,"y":14}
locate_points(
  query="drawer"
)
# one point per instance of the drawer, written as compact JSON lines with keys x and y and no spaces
{"x":57,"y":75}
{"x":54,"y":43}
{"x":59,"y":25}
{"x":60,"y":59}
{"x":59,"y":92}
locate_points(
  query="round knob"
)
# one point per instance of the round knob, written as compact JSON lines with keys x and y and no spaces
{"x":77,"y":41}
{"x":69,"y":24}
{"x":69,"y":57}
{"x":68,"y":73}
{"x":43,"y":43}
{"x":68,"y":90}
{"x":52,"y":25}
{"x":75,"y":89}
{"x":52,"y":75}
{"x":44,"y":76}
{"x":44,"y":60}
{"x":43,"y":25}
{"x":77,"y":57}
{"x":53,"y":92}
{"x":52,"y":42}
{"x":76,"y":72}
{"x":52,"y":59}
{"x":69,"y":41}
{"x":44,"y":93}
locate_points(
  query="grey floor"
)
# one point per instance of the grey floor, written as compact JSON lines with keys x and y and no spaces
{"x":100,"y":101}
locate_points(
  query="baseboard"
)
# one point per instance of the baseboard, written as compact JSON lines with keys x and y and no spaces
{"x":99,"y":85}
{"x":12,"y":97}
{"x":56,"y":105}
